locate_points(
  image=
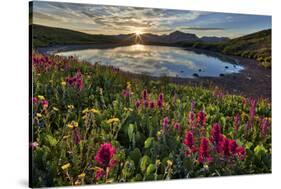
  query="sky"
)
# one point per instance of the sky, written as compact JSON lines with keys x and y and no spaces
{"x":113,"y":20}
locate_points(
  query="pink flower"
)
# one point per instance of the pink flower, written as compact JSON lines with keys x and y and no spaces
{"x":177,"y":126}
{"x":225,"y":147}
{"x":126,"y":93}
{"x":216,"y":136}
{"x":236,"y":122}
{"x":233,"y":146}
{"x":191,"y":119}
{"x":45,"y":103}
{"x":165,"y":123}
{"x":76,"y":81}
{"x":105,"y":154}
{"x":241,"y":152}
{"x":204,"y":151}
{"x":99,"y":174}
{"x":252,"y":111}
{"x":189,"y":143}
{"x":35,"y":100}
{"x":201,"y":119}
{"x":265,"y":127}
{"x":160,"y":100}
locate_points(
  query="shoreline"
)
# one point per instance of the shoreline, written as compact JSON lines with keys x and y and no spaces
{"x":243,"y":83}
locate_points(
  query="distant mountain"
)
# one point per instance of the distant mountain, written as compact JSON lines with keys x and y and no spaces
{"x":49,"y":36}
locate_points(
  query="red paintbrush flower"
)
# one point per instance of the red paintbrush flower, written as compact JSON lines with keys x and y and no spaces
{"x":204,"y":151}
{"x":105,"y":154}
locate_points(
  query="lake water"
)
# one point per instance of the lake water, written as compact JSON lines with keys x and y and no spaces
{"x":158,"y":61}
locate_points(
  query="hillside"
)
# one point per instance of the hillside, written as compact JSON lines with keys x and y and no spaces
{"x":255,"y":46}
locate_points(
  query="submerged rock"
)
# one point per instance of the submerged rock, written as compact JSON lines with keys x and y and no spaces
{"x":221,"y":74}
{"x":195,"y":75}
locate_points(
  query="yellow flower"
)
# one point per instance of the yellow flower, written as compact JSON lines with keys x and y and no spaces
{"x":169,"y":163}
{"x":72,"y":124}
{"x":158,"y":162}
{"x":82,"y":175}
{"x":65,"y":137}
{"x":39,"y":115}
{"x":86,"y":110}
{"x":71,"y":107}
{"x":128,"y":109}
{"x":113,"y":120}
{"x":77,"y":182}
{"x":65,"y":166}
{"x":55,"y":109}
{"x":63,"y":83}
{"x":94,"y":111}
{"x":51,"y":81}
{"x":40,"y":97}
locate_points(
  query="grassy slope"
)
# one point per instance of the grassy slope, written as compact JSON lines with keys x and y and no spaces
{"x":256,"y":46}
{"x":46,"y":36}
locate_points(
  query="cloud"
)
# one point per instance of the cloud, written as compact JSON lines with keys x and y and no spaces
{"x":201,"y":28}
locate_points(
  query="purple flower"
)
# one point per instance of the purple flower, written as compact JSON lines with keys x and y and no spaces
{"x":265,"y":127}
{"x":177,"y":126}
{"x":137,"y":104}
{"x":151,"y":104}
{"x":76,"y":136}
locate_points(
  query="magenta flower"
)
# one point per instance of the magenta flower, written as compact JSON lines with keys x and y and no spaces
{"x":76,"y":81}
{"x":201,"y":119}
{"x":252,"y":111}
{"x":216,"y":136}
{"x":204,"y":151}
{"x":151,"y":104}
{"x":44,"y":103}
{"x":189,"y":143}
{"x":165,"y":123}
{"x":233,"y":146}
{"x":177,"y":126}
{"x":192,"y":105}
{"x":105,"y":154}
{"x":99,"y":174}
{"x":265,"y":127}
{"x":160,"y":100}
{"x":126,"y":93}
{"x":241,"y":153}
{"x":144,"y":95}
{"x":225,"y":147}
{"x":236,"y":122}
{"x":35,"y":100}
{"x":191,"y":119}
{"x":137,"y":104}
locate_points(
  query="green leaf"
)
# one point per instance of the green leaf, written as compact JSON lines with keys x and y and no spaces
{"x":148,"y":142}
{"x":145,"y":161}
{"x":150,"y":169}
{"x":131,"y":131}
{"x":260,"y":151}
{"x":135,"y":155}
{"x":51,"y":140}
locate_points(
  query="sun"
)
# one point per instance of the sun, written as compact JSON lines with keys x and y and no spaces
{"x":138,"y":33}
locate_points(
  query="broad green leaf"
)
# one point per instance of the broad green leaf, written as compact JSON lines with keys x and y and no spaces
{"x":148,"y":142}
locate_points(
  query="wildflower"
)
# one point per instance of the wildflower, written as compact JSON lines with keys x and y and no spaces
{"x":157,"y":162}
{"x":126,"y":93}
{"x":38,"y":115}
{"x":82,"y":175}
{"x":265,"y":127}
{"x":35,"y":100}
{"x":204,"y":151}
{"x":192,"y":105}
{"x":236,"y":121}
{"x":177,"y":125}
{"x":216,"y":136}
{"x":252,"y":111}
{"x":65,"y":166}
{"x":146,"y":103}
{"x":105,"y":154}
{"x":112,"y":121}
{"x":63,"y":83}
{"x":201,"y":118}
{"x":160,"y":100}
{"x":34,"y":145}
{"x":45,"y":103}
{"x":55,"y":109}
{"x":169,"y":163}
{"x":137,"y":104}
{"x":76,"y":136}
{"x":40,"y":97}
{"x":189,"y":142}
{"x":151,"y":104}
{"x":191,"y":119}
{"x":71,"y":107}
{"x":165,"y":123}
{"x":99,"y":173}
{"x":241,"y":152}
{"x":86,"y":110}
{"x":76,"y":81}
{"x":225,"y":147}
{"x":144,"y":94}
{"x":95,"y":111}
{"x":233,"y":146}
{"x":72,"y":124}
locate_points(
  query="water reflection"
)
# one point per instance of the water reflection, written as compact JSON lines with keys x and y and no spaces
{"x":158,"y":61}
